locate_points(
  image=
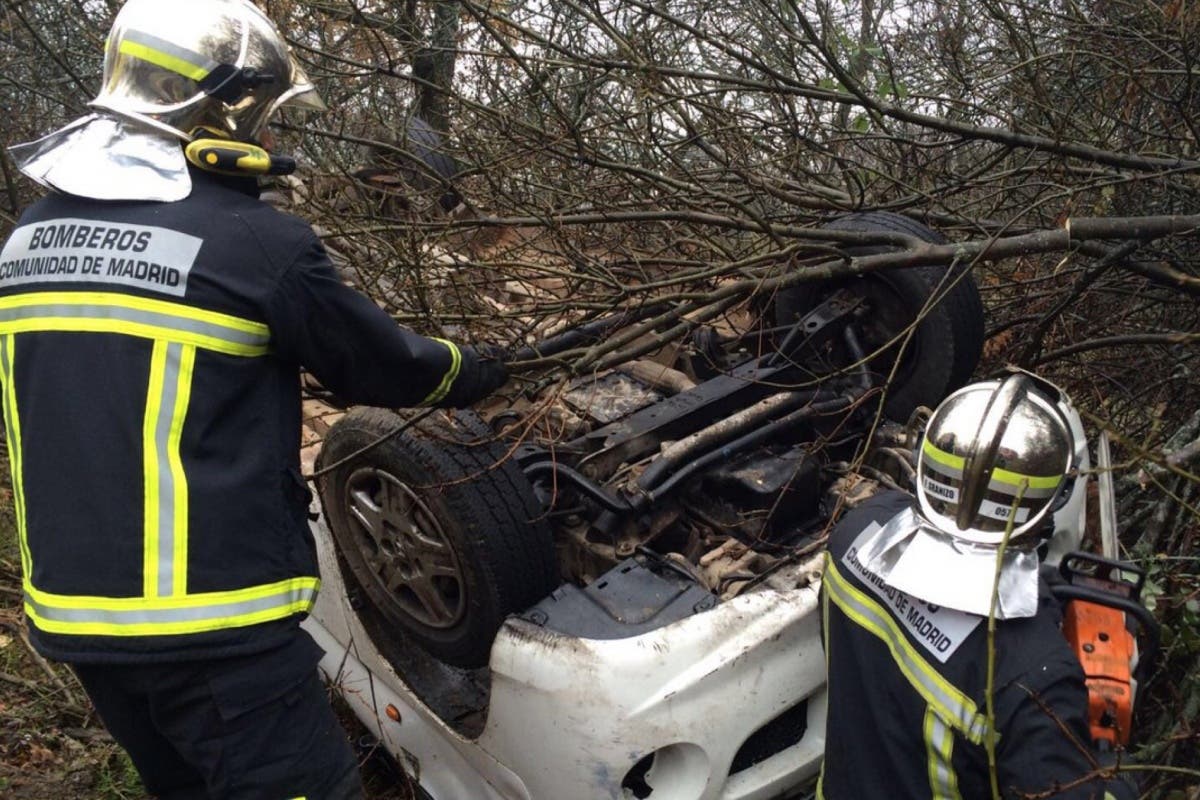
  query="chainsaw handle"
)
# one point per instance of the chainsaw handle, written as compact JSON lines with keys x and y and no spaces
{"x":1145,"y":620}
{"x":1078,"y":567}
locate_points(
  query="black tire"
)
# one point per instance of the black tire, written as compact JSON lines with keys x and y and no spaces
{"x":438,"y":530}
{"x":945,"y":348}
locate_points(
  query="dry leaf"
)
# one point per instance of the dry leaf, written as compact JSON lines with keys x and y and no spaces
{"x":40,"y":755}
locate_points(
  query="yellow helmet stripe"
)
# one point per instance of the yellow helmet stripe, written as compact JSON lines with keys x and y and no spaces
{"x":164,"y":54}
{"x":1004,"y":476}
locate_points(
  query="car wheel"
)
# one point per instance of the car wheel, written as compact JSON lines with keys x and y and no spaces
{"x":944,"y":349}
{"x":440,"y":532}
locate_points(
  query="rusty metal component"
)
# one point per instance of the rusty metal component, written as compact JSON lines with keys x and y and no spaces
{"x":664,"y":379}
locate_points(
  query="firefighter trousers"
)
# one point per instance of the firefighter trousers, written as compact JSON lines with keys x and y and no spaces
{"x":256,"y":727}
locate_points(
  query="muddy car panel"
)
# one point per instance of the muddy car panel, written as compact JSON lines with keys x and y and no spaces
{"x":671,"y":710}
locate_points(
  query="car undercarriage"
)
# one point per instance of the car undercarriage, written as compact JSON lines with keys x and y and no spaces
{"x":641,"y":520}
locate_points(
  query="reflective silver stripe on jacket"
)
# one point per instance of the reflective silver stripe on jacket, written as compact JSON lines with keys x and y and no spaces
{"x":166,"y":320}
{"x":939,"y":742}
{"x":165,"y":605}
{"x":302,"y":593}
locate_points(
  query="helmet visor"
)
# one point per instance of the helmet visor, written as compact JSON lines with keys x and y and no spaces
{"x":302,"y":93}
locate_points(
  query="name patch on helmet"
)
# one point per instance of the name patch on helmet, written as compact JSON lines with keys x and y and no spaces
{"x":941,"y":491}
{"x":940,"y":631}
{"x":89,"y":251}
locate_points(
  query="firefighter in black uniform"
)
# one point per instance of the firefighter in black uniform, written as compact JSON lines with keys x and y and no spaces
{"x":905,"y":603}
{"x":153,"y":319}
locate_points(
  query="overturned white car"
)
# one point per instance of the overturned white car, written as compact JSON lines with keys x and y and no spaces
{"x":611,"y":591}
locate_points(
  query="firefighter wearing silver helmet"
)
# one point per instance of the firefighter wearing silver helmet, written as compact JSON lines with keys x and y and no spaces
{"x":997,"y":460}
{"x":214,"y":65}
{"x":908,"y":589}
{"x":154,"y":318}
{"x":995,"y":453}
{"x":173,"y":72}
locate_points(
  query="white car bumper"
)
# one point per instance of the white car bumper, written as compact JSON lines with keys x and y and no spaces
{"x":569,"y":717}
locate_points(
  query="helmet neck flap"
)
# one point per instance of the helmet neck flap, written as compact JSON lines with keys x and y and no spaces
{"x":996,"y":466}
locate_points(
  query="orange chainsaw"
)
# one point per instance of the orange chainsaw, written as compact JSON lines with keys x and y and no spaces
{"x":1101,"y":615}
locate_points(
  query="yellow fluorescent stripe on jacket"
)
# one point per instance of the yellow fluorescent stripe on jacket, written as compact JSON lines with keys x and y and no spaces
{"x":939,"y":742}
{"x":448,"y":379}
{"x":183,"y":396}
{"x":165,"y":505}
{"x":189,"y":601}
{"x":956,"y":709}
{"x":825,"y":636}
{"x":164,"y":607}
{"x":196,"y":613}
{"x":201,"y":625}
{"x":150,"y":472}
{"x":106,"y":312}
{"x":12,"y":424}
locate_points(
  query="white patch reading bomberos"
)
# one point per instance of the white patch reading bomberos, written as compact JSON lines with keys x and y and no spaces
{"x":937,"y":629}
{"x":91,"y":251}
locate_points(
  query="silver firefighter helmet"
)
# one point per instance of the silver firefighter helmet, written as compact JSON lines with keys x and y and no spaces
{"x":999,"y":458}
{"x":180,"y":65}
{"x":995,"y":454}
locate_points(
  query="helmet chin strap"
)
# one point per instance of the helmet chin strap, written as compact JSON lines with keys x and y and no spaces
{"x":229,"y":157}
{"x":212,"y":150}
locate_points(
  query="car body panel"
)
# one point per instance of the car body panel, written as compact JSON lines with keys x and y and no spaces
{"x":446,"y":764}
{"x":569,"y":717}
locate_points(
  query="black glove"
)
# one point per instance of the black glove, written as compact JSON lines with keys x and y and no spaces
{"x":483,"y":371}
{"x":493,"y":368}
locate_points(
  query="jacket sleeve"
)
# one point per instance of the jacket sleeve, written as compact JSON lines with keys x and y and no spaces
{"x":355,"y":349}
{"x":1046,"y":745}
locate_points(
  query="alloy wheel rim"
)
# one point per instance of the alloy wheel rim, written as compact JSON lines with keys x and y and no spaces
{"x":405,"y":549}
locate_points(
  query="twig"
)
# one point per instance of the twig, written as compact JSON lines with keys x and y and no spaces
{"x":88,"y":734}
{"x":55,"y":678}
{"x":10,"y":184}
{"x":371,"y":445}
{"x":1106,"y":342}
{"x":1036,"y":338}
{"x":19,"y":681}
{"x":989,"y":735}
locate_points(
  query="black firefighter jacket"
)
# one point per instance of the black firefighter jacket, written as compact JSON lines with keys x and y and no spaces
{"x":907,"y":692}
{"x":149,"y":360}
